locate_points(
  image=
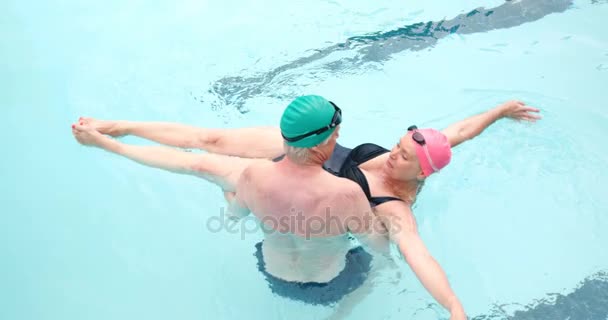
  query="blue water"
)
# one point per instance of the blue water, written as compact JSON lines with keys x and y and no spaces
{"x":517,"y":220}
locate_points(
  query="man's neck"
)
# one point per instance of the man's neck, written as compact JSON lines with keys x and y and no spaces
{"x":309,"y":165}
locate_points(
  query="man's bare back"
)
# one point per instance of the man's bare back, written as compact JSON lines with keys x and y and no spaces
{"x":306,"y":233}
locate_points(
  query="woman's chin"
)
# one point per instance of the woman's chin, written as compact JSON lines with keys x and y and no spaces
{"x":387,"y":168}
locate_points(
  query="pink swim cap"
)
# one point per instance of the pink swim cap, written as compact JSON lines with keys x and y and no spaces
{"x":436,"y":152}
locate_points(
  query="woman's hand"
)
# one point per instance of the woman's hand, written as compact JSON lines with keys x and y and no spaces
{"x":519,"y":111}
{"x":457,"y":313}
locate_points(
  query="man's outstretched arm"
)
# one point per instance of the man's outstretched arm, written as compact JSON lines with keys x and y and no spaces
{"x":214,"y":168}
{"x":473,"y":126}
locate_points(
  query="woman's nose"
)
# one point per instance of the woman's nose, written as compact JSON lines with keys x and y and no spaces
{"x":393,"y":153}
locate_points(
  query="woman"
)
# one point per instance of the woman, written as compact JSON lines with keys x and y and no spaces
{"x":390,"y":179}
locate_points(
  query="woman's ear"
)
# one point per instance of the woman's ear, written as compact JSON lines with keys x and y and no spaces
{"x":420,"y":177}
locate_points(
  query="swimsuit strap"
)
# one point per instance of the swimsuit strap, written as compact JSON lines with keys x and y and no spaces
{"x":380,"y":200}
{"x":350,"y":170}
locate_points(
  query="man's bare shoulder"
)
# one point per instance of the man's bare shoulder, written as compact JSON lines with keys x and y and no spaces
{"x":257,"y":169}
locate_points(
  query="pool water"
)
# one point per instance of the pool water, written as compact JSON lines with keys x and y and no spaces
{"x":518,"y":220}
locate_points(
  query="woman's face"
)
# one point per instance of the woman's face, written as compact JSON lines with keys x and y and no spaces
{"x":402,"y":163}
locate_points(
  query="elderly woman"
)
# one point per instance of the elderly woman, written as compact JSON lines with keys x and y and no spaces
{"x":390,"y":179}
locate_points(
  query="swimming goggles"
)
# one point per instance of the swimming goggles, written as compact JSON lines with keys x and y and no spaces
{"x":419,"y":139}
{"x":335,"y":121}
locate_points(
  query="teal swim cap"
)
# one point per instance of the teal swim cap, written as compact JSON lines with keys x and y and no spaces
{"x":306,"y":114}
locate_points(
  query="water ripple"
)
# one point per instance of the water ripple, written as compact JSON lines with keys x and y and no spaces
{"x":588,"y":301}
{"x":375,"y":47}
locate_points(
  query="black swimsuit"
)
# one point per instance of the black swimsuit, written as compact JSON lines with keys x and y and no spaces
{"x":345,"y":163}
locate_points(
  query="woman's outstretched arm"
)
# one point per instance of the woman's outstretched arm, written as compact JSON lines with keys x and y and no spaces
{"x":252,"y":142}
{"x":473,"y":126}
{"x":401,"y":224}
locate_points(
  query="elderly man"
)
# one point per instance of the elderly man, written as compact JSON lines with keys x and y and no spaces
{"x":307,"y":213}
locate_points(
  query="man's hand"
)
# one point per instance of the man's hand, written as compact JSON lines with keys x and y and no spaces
{"x":234,"y":212}
{"x":229,"y":195}
{"x":519,"y":111}
{"x":87,"y":135}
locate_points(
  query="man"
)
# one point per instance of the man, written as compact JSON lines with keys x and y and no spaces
{"x":308,"y":213}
